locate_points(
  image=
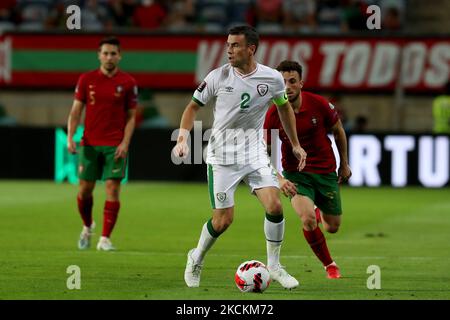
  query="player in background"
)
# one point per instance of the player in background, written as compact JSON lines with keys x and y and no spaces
{"x":110,"y":98}
{"x":243,"y":89}
{"x":317,"y":184}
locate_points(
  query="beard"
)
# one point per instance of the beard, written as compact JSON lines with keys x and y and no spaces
{"x":293,"y":99}
{"x":109,"y":66}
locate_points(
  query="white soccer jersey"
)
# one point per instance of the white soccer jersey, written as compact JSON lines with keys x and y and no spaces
{"x":239,"y":111}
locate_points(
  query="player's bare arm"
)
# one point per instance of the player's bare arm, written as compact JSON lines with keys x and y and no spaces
{"x":122,"y":148}
{"x":288,"y":188}
{"x":181,"y":149}
{"x":344,"y":172}
{"x":72,"y":124}
{"x":287,"y":118}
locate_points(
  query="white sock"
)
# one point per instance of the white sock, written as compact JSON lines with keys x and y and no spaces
{"x":205,"y":243}
{"x":274,"y":237}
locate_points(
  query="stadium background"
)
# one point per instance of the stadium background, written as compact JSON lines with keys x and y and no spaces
{"x":383,"y":82}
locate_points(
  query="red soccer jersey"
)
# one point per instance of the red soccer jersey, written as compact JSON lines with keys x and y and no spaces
{"x":314,"y":120}
{"x":107,"y":103}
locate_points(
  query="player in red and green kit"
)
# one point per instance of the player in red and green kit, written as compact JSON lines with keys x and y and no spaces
{"x":110,"y":98}
{"x":317,"y":184}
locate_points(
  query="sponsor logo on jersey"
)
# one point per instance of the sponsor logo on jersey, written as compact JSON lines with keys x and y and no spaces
{"x":262,"y":89}
{"x":331,"y":106}
{"x":221,"y":196}
{"x":314,"y":121}
{"x":229,"y":89}
{"x":135,"y":90}
{"x":202,"y":86}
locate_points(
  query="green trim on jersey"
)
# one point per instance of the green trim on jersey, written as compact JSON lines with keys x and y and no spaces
{"x":197,"y":102}
{"x":211,"y":186}
{"x":281,"y":100}
{"x":322,"y":189}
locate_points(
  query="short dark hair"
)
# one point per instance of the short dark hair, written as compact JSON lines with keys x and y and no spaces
{"x":288,"y":65}
{"x":250,"y":33}
{"x":110,"y":40}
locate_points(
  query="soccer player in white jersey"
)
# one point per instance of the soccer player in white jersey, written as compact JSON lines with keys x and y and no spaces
{"x":243,"y":90}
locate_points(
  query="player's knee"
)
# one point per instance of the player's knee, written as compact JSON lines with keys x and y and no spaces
{"x":332,"y":228}
{"x":309,"y":222}
{"x":112,"y":192}
{"x":85,"y":192}
{"x":275,"y":207}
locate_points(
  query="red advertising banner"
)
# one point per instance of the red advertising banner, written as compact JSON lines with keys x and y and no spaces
{"x":348,"y":64}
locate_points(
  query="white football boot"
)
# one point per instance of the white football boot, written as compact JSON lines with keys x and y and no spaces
{"x":192,"y":271}
{"x":285,"y":279}
{"x":85,"y":237}
{"x":104,"y":244}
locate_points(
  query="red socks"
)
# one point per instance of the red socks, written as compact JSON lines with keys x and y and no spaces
{"x":85,"y":209}
{"x":318,"y":244}
{"x":110,"y":217}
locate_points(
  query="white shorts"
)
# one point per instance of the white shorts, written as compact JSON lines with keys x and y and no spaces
{"x":224,"y":179}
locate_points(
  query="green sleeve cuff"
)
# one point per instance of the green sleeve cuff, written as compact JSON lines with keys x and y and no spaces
{"x":197,"y":102}
{"x":281,"y":100}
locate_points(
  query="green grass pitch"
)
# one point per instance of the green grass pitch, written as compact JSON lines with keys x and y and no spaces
{"x":403,"y":231}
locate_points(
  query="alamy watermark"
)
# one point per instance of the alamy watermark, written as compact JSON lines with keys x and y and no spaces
{"x":73,"y":21}
{"x":374,"y":21}
{"x":74,"y":280}
{"x":227,"y":146}
{"x":374,"y":280}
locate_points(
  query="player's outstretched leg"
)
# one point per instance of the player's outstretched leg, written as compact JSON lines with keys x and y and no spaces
{"x":196,"y":255}
{"x":274,"y":232}
{"x":331,"y":224}
{"x":318,"y":244}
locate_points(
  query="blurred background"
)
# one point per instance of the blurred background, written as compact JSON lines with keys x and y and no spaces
{"x":390,"y":84}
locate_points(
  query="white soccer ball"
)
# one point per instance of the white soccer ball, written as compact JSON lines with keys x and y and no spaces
{"x":252,"y":276}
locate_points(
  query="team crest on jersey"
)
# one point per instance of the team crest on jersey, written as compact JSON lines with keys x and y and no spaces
{"x":262,"y":89}
{"x":221,"y":196}
{"x":202,"y":86}
{"x":119,"y":90}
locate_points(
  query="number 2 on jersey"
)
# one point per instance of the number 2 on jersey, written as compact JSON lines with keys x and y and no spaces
{"x":245,"y":98}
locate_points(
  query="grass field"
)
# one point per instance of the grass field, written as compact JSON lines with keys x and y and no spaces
{"x":406,"y":232}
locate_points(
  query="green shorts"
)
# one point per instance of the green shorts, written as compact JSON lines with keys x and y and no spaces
{"x":322,"y":189}
{"x":97,"y":163}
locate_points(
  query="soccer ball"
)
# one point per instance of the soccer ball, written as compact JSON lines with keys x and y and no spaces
{"x":252,"y":276}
